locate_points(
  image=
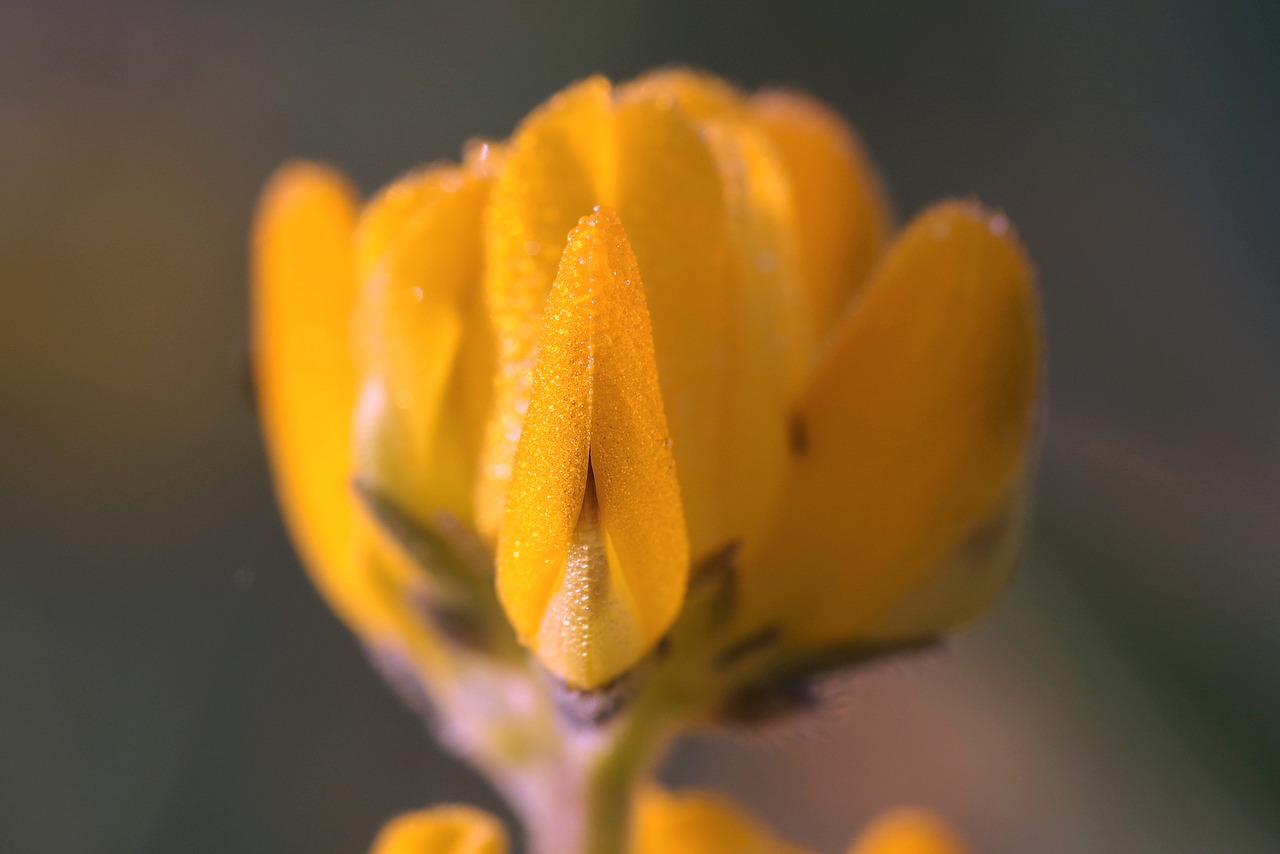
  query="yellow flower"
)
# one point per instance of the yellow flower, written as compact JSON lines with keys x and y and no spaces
{"x":908,"y":831}
{"x":698,"y":822}
{"x":442,"y":830}
{"x":688,"y":822}
{"x":663,"y":319}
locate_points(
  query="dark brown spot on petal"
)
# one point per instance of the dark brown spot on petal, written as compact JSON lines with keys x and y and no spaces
{"x":798,"y":435}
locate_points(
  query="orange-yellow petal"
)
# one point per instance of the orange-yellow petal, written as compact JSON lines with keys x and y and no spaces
{"x":303,"y":295}
{"x":768,"y":339}
{"x":696,"y":822}
{"x":908,"y":831}
{"x":556,"y":168}
{"x":593,"y":555}
{"x":442,"y":830}
{"x":843,"y":215}
{"x":967,"y":581}
{"x":423,"y":345}
{"x":708,"y":205}
{"x":911,"y":431}
{"x":671,"y":199}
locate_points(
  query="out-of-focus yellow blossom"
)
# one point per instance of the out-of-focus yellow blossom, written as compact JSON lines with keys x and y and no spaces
{"x":733,"y":350}
{"x":699,"y":822}
{"x":442,"y":830}
{"x":686,"y":822}
{"x":908,"y":831}
{"x":304,"y":300}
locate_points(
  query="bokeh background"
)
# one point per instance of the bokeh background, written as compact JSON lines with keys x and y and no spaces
{"x":170,"y":683}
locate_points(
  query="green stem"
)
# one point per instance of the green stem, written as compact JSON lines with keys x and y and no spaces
{"x":626,"y":757}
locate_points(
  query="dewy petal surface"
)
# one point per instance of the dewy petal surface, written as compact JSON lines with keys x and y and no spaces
{"x":423,"y":344}
{"x":303,"y":295}
{"x":442,"y":830}
{"x":915,"y":426}
{"x":593,"y":556}
{"x":697,"y":822}
{"x":842,"y":211}
{"x":557,"y":167}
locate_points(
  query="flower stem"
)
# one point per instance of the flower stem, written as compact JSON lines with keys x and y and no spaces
{"x":626,"y":758}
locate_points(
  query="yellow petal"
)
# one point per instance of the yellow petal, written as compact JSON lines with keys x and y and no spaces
{"x":768,"y":339}
{"x":912,"y":429}
{"x":555,"y":170}
{"x":965,"y":584}
{"x":908,"y":831}
{"x":671,"y":200}
{"x":843,"y":214}
{"x":708,"y":206}
{"x":593,"y":555}
{"x":695,"y":822}
{"x":303,"y":295}
{"x":442,"y":830}
{"x":303,"y":305}
{"x":424,"y":348}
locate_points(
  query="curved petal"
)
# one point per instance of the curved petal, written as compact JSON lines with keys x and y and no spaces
{"x":423,"y":345}
{"x":908,"y":831}
{"x":593,"y":554}
{"x":442,"y":830}
{"x":843,"y":214}
{"x":303,"y":293}
{"x":697,"y":822}
{"x":915,"y":425}
{"x":556,"y":168}
{"x":303,"y":302}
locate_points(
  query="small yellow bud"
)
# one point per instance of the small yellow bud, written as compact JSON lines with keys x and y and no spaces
{"x":908,"y":831}
{"x":442,"y":830}
{"x":698,"y":822}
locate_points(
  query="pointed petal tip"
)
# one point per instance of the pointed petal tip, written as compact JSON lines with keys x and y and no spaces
{"x":591,"y":592}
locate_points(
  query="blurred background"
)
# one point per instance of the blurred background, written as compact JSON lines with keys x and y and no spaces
{"x":169,"y":682}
